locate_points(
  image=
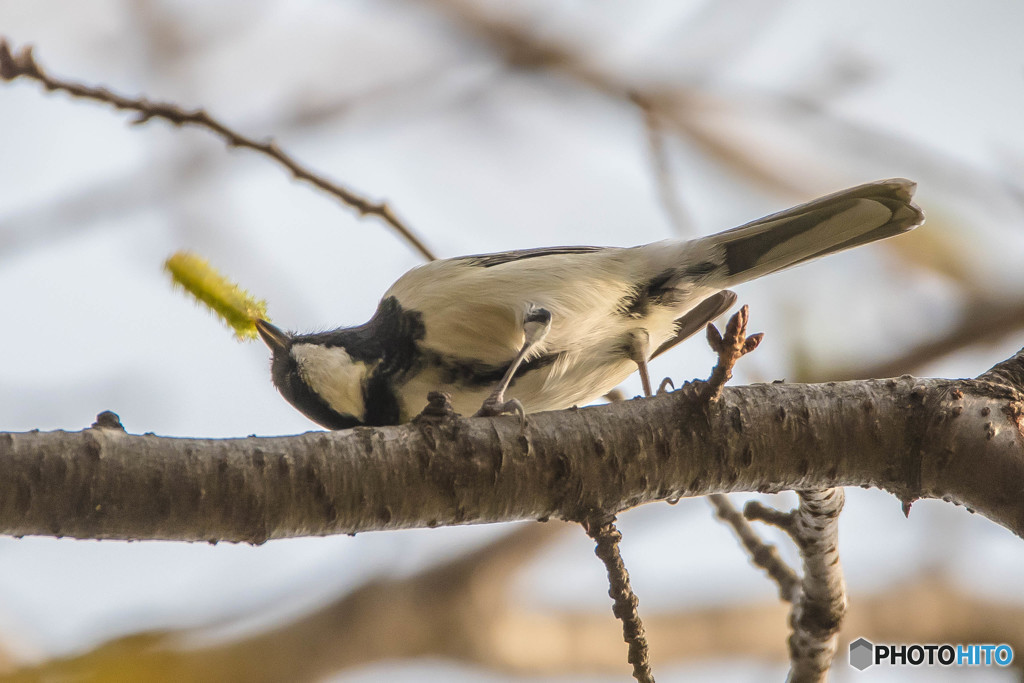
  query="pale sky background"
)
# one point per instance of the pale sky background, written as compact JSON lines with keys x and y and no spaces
{"x":476,"y":157}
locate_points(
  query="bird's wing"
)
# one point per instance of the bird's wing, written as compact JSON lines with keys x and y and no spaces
{"x":476,"y":304}
{"x":489,"y":260}
{"x":697,"y":318}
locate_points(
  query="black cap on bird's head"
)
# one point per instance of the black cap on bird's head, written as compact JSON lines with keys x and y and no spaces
{"x":289,"y":379}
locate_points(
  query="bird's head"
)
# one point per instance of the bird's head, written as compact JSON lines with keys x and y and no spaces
{"x":316,"y":374}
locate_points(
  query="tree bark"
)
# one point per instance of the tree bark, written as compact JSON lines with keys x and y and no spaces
{"x":958,"y":440}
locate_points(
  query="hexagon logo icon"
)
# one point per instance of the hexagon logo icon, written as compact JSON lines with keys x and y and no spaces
{"x":861,"y":654}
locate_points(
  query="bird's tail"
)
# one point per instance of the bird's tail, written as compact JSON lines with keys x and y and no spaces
{"x":839,"y":221}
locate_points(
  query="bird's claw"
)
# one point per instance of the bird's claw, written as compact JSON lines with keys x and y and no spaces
{"x":494,"y":406}
{"x":667,"y":382}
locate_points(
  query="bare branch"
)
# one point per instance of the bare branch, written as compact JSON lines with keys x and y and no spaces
{"x":818,"y":613}
{"x":819,"y":599}
{"x":754,"y":511}
{"x":730,"y":348}
{"x":682,"y":108}
{"x":763,"y":555}
{"x":624,"y":606}
{"x":957,"y":440}
{"x":23,"y":64}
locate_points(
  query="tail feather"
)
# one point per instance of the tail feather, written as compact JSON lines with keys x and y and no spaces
{"x":839,"y":221}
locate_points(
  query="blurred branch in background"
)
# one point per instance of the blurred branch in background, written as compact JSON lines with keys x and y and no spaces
{"x":664,"y":176}
{"x":680,"y":106}
{"x":984,"y":321}
{"x":720,"y":122}
{"x":462,"y":611}
{"x":762,"y":555}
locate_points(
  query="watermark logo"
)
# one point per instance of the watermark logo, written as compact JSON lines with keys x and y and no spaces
{"x":864,"y":653}
{"x":861,"y":654}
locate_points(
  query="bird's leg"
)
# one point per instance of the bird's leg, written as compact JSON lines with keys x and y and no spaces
{"x":639,"y":350}
{"x":536,"y":324}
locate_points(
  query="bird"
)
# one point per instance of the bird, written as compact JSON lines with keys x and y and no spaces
{"x":549,"y":328}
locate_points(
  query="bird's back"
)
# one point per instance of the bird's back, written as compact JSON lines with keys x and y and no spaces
{"x":599,"y":296}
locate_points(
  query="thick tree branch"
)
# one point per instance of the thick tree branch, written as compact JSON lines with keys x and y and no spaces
{"x":958,"y":440}
{"x":23,"y":64}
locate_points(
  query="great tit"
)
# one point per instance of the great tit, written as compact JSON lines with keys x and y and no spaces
{"x":558,"y":326}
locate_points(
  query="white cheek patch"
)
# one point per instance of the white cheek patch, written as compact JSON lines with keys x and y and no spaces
{"x":334,"y":375}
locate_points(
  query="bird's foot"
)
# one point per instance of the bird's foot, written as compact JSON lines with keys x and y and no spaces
{"x":496,"y":405}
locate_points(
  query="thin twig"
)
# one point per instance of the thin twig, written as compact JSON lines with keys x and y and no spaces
{"x":730,"y":348}
{"x":754,"y":511}
{"x":762,"y":554}
{"x":13,"y":66}
{"x":624,"y":601}
{"x":705,"y":117}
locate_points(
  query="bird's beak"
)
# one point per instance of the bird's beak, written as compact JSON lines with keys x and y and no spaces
{"x":274,"y":337}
